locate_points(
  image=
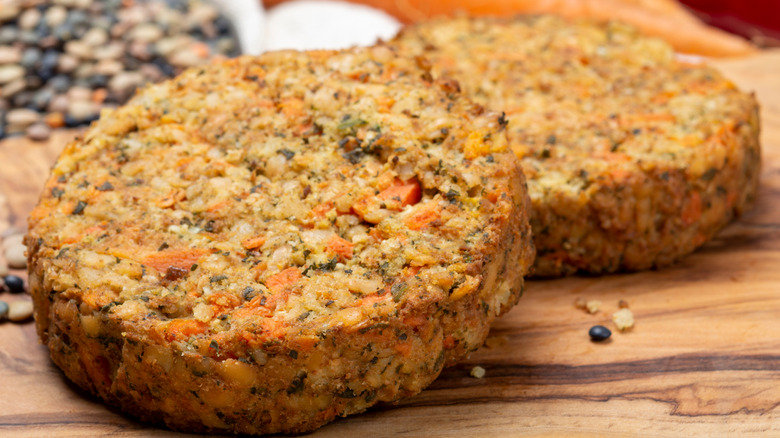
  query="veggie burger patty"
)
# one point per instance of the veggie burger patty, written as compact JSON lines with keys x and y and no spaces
{"x":633,"y":158}
{"x":268,"y":243}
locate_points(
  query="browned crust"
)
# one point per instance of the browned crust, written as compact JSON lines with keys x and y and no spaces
{"x":689,"y":209}
{"x":255,"y":370}
{"x":633,"y":158}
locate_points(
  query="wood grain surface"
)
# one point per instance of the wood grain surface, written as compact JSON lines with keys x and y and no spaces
{"x":702,"y":360}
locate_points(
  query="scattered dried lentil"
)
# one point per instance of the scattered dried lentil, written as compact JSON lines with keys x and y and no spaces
{"x":599,"y":333}
{"x":46,"y":48}
{"x":14,"y":283}
{"x":20,"y":310}
{"x":15,"y":257}
{"x":593,"y":306}
{"x":623,"y":319}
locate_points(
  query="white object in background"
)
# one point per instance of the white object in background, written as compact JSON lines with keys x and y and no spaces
{"x":248,"y":19}
{"x":311,"y":24}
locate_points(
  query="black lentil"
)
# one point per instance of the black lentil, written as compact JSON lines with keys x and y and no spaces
{"x":15,"y":284}
{"x":599,"y":333}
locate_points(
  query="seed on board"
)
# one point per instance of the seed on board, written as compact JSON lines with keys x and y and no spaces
{"x":14,"y":254}
{"x":15,"y":238}
{"x":623,"y":319}
{"x":15,"y":284}
{"x":599,"y":333}
{"x":39,"y":132}
{"x":478,"y":372}
{"x":593,"y":306}
{"x":20,"y":310}
{"x":3,"y":310}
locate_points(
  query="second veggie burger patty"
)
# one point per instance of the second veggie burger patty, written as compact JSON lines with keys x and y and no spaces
{"x":633,"y":159}
{"x":266,"y":244}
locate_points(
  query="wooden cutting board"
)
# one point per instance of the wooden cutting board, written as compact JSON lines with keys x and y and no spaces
{"x":703,"y":358}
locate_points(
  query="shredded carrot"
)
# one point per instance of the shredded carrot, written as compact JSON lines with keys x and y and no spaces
{"x":319,"y":210}
{"x":362,"y":206}
{"x":171,"y":198}
{"x":341,"y":247}
{"x":426,"y":215}
{"x":449,"y":342}
{"x":178,"y":258}
{"x":403,"y":348}
{"x":415,"y":321}
{"x":222,"y":301}
{"x":283,"y":279}
{"x":406,"y":193}
{"x":647,"y":118}
{"x":182,"y":329}
{"x":218,"y":206}
{"x":97,"y":368}
{"x":305,"y":343}
{"x":292,"y":107}
{"x":692,"y":210}
{"x":253,"y":242}
{"x":370,"y":300}
{"x":265,"y":103}
{"x":384,"y":103}
{"x":253,"y":308}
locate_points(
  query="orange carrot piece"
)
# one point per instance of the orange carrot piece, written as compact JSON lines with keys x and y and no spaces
{"x":292,"y":107}
{"x":692,"y":211}
{"x":253,"y":308}
{"x":407,"y":193}
{"x":362,"y":206}
{"x":178,"y":258}
{"x":223,"y":301}
{"x":426,"y":215}
{"x":403,"y":348}
{"x":370,"y":300}
{"x":341,"y":247}
{"x":217,"y":206}
{"x":253,"y":242}
{"x":283,"y":279}
{"x":182,"y":329}
{"x":169,"y":200}
{"x":449,"y":342}
{"x":305,"y":343}
{"x":97,"y":368}
{"x":415,"y":321}
{"x":319,"y":210}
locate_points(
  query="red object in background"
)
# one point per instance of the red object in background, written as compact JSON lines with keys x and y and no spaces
{"x":756,"y":20}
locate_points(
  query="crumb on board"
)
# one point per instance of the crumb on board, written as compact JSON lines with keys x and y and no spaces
{"x":593,"y":306}
{"x":623,"y":319}
{"x":580,"y":303}
{"x":478,"y":372}
{"x":623,"y":304}
{"x":495,"y":341}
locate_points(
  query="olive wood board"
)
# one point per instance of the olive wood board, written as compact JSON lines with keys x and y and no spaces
{"x":702,"y":360}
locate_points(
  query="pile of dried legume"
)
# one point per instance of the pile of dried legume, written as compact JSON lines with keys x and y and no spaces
{"x":13,"y":251}
{"x":61,"y":61}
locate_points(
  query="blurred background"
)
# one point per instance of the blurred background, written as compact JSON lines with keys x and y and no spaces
{"x":756,"y":20}
{"x":63,"y":61}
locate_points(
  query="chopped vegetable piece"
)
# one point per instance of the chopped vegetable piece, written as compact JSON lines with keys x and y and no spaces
{"x":283,"y":279}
